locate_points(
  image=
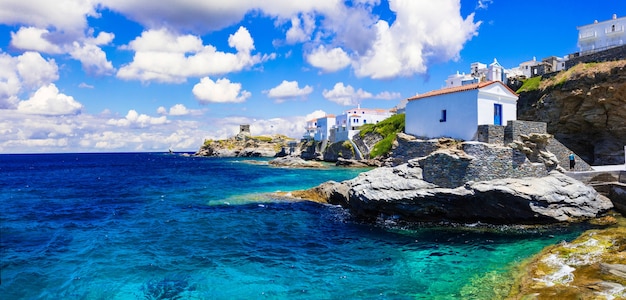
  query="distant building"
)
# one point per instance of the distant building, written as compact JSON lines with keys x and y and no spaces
{"x":456,"y":112}
{"x":601,"y":35}
{"x":478,"y":72}
{"x":349,"y":123}
{"x":319,"y":129}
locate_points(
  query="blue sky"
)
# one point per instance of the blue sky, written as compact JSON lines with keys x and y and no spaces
{"x":139,"y":75}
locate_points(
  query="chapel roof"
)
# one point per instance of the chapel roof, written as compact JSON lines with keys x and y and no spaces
{"x":457,"y":89}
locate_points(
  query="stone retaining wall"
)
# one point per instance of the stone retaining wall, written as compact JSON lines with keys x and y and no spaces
{"x":615,"y":53}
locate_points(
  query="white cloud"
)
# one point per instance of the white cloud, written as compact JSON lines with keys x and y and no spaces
{"x":301,"y":28}
{"x":328,"y":60}
{"x":483,"y":4}
{"x":22,"y":74}
{"x":287,"y":90}
{"x":178,"y":110}
{"x":66,"y":16}
{"x":387,"y":95}
{"x":206,"y":16}
{"x":220,"y":91}
{"x":32,"y":38}
{"x":92,"y":58}
{"x":48,"y":101}
{"x":135,"y":119}
{"x":162,"y":56}
{"x":35,"y":71}
{"x":345,"y":95}
{"x":416,"y":38}
{"x":315,"y":115}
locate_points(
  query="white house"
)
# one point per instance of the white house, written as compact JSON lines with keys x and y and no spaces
{"x":319,"y":129}
{"x":602,"y":35}
{"x":349,"y":123}
{"x":527,"y":67}
{"x":479,"y":72}
{"x":456,"y":112}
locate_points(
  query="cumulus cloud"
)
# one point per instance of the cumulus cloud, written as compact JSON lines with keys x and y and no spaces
{"x":163,"y":56}
{"x":22,"y":74}
{"x":328,"y":60}
{"x":48,"y":101}
{"x":178,"y":110}
{"x":32,"y":38}
{"x":301,"y":28}
{"x":209,"y":16}
{"x":315,"y":115}
{"x":288,"y":90}
{"x":220,"y":91}
{"x":416,"y":38}
{"x":347,"y":95}
{"x":135,"y":119}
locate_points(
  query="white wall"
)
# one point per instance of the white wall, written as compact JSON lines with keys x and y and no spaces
{"x":423,"y":115}
{"x":602,"y":35}
{"x":495,"y":94}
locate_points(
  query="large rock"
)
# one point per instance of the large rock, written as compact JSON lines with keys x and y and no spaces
{"x":244,"y":146}
{"x":456,"y":187}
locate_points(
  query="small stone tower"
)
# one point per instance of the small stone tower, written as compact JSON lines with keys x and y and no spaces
{"x":244,"y":132}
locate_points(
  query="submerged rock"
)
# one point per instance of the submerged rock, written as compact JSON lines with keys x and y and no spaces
{"x":295,"y":162}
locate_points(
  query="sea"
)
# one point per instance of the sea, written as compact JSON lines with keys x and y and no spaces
{"x":173,"y":226}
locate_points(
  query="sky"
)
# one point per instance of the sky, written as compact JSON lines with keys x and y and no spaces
{"x":149,"y":76}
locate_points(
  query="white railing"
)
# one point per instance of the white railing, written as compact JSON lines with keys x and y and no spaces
{"x":587,"y":35}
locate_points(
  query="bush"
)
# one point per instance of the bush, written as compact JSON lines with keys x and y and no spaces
{"x":388,"y":129}
{"x":530,"y":84}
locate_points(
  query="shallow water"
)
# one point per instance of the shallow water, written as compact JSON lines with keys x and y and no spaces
{"x":156,"y":226}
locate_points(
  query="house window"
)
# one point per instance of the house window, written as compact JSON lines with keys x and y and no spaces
{"x":444,"y":115}
{"x":364,"y":121}
{"x":613,"y":28}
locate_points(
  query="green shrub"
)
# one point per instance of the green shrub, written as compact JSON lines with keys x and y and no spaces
{"x":388,"y":129}
{"x":530,"y":84}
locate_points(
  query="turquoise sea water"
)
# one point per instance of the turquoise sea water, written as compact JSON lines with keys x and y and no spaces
{"x":158,"y":226}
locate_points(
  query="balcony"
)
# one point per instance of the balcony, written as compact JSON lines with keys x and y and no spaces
{"x":590,"y":35}
{"x":614,"y":30}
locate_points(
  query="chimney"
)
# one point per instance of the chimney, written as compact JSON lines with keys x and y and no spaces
{"x":614,"y":16}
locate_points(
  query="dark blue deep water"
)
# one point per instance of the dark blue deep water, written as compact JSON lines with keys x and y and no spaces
{"x":159,"y":226}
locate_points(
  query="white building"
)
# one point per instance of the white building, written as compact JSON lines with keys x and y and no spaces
{"x":602,"y":35}
{"x":349,"y":123}
{"x":319,"y":129}
{"x":526,"y":68}
{"x":456,"y":112}
{"x":479,"y":72}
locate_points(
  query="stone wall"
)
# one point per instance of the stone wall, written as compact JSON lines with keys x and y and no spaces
{"x":615,"y":53}
{"x":478,"y":162}
{"x":516,"y":128}
{"x":407,"y":147}
{"x":492,"y":134}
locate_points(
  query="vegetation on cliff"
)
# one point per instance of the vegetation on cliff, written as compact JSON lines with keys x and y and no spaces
{"x":584,"y":108}
{"x":388,"y":129}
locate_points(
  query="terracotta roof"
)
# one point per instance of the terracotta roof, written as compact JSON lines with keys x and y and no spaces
{"x":456,"y":89}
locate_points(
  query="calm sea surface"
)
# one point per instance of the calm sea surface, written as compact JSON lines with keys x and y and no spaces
{"x":159,"y":226}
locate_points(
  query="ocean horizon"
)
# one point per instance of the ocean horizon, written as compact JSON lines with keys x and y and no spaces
{"x":153,"y":225}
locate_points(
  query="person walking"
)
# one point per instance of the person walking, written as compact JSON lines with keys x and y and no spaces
{"x":572,"y":161}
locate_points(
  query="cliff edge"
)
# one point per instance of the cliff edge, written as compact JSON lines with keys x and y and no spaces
{"x":584,"y":108}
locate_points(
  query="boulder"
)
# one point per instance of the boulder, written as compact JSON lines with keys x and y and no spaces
{"x":295,"y":162}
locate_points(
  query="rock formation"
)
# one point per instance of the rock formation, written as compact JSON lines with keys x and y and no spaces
{"x":585,"y":109}
{"x":295,"y":162}
{"x":247,"y":146}
{"x":472,"y":182}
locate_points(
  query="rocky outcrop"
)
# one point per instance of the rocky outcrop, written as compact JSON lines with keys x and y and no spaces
{"x":475,"y":182}
{"x":295,"y":162}
{"x":585,"y":109}
{"x":245,"y":146}
{"x":590,"y":267}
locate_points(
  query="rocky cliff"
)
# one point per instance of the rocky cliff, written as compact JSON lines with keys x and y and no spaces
{"x":248,"y":146}
{"x":584,"y":108}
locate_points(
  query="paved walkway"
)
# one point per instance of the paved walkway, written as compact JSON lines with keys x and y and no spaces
{"x":609,"y":168}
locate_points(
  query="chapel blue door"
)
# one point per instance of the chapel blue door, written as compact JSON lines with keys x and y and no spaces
{"x":497,"y":114}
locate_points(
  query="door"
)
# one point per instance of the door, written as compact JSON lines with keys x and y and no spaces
{"x":497,"y":114}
